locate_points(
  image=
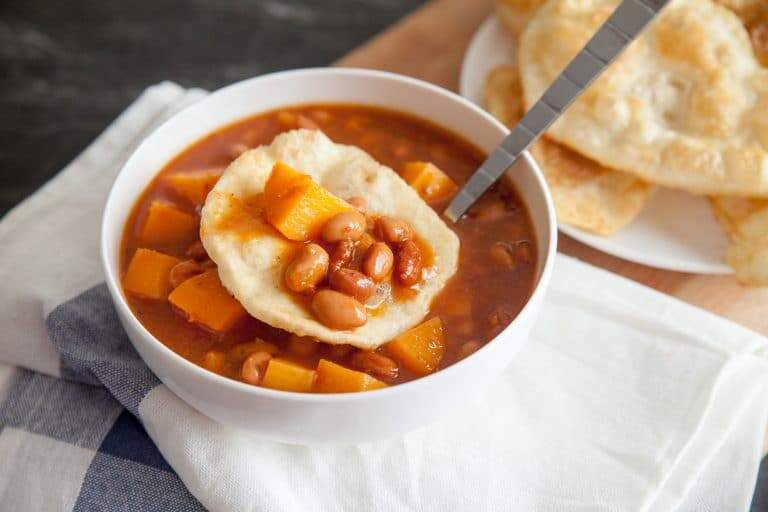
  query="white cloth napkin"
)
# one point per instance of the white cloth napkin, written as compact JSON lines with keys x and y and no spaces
{"x":623,"y":400}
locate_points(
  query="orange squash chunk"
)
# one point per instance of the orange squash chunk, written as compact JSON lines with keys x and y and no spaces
{"x":296,"y":205}
{"x":288,"y":376}
{"x":419,"y":349}
{"x":194,"y":186}
{"x":430,"y":182}
{"x":148,"y":274}
{"x":166,"y":224}
{"x":334,"y":378}
{"x":283,"y":176}
{"x":205,"y":301}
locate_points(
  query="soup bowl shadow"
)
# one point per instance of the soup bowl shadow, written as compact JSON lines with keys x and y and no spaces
{"x":333,"y":418}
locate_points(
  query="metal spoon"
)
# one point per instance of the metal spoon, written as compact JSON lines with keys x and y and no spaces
{"x":622,"y":27}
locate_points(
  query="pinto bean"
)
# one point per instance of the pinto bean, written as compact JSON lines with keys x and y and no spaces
{"x":393,"y":230}
{"x":361,"y":204}
{"x":305,"y":122}
{"x":378,"y":261}
{"x":376,"y":364}
{"x":307,"y":269}
{"x":409,"y":263}
{"x":338,"y":311}
{"x":348,"y":225}
{"x":342,"y":255}
{"x":197,"y":251}
{"x":352,"y":283}
{"x":183,"y":271}
{"x":365,"y":242}
{"x":254,"y":366}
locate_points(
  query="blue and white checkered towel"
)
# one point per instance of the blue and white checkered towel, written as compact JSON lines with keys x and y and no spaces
{"x":623,"y":400}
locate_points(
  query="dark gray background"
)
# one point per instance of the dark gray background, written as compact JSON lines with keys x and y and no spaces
{"x":67,"y":68}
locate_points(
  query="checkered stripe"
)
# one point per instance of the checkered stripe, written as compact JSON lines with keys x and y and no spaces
{"x":72,"y":445}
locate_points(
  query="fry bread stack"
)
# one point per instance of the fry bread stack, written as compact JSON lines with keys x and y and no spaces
{"x":686,"y":106}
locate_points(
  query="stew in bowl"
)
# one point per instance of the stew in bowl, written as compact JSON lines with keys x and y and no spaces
{"x":297,"y":248}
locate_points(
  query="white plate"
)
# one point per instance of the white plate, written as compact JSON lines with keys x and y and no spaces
{"x":675,"y":230}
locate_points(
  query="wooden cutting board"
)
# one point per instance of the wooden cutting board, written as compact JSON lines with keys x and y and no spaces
{"x":430,"y":44}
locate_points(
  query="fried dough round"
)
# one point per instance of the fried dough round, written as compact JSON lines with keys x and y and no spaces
{"x":251,"y":256}
{"x":586,"y":194}
{"x":685,"y":106}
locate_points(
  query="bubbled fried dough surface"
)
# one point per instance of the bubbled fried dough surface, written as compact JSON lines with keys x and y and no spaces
{"x":515,"y":14}
{"x":745,"y":220}
{"x":685,"y":106}
{"x":252,"y":260}
{"x":754,"y":15}
{"x":586,"y":194}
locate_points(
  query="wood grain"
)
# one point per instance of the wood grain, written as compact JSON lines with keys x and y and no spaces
{"x":430,"y":44}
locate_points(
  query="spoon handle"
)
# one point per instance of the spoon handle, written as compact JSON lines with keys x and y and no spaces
{"x":620,"y":29}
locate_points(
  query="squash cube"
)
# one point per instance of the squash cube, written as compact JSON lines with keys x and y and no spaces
{"x":166,"y":224}
{"x":148,"y":274}
{"x":430,"y":182}
{"x":287,"y":376}
{"x":205,"y":301}
{"x":419,"y":349}
{"x":282,"y":177}
{"x":334,"y":378}
{"x":297,"y":206}
{"x":194,"y":186}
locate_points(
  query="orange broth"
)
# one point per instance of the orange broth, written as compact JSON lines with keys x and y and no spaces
{"x":485,"y":294}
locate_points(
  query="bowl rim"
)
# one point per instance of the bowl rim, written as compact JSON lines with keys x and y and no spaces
{"x":120,"y":302}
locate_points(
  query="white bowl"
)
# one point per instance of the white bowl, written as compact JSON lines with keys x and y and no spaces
{"x":336,"y":418}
